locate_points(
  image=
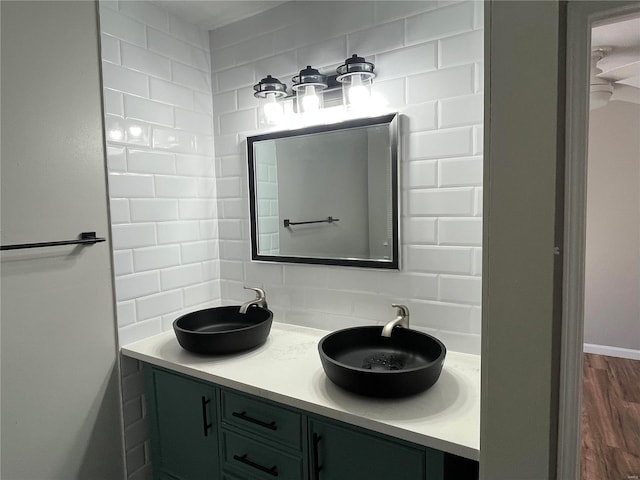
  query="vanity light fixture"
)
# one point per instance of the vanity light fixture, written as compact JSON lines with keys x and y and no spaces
{"x":309,"y":86}
{"x":268,"y":91}
{"x":356,"y":76}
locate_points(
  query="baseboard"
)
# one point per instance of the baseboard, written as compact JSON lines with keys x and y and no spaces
{"x":612,"y":351}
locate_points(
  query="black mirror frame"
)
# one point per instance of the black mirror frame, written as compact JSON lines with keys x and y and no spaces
{"x":392,"y":121}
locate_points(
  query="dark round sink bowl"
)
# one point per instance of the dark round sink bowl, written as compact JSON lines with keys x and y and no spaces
{"x":223,"y":330}
{"x":362,"y":361}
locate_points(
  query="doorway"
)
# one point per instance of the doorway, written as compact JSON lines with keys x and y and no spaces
{"x":589,"y":282}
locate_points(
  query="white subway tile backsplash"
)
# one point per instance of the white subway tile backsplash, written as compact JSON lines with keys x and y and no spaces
{"x":120,"y":210}
{"x":224,"y":102}
{"x":178,"y":232}
{"x":461,"y":289}
{"x":441,"y":143}
{"x":185,"y":31}
{"x":393,"y":91}
{"x":176,"y":187}
{"x":169,"y":93}
{"x":231,"y":270}
{"x":147,"y":13}
{"x":230,"y":229}
{"x":439,"y":84}
{"x":245,"y":97}
{"x":130,"y":185}
{"x":124,"y":80}
{"x":239,"y":121}
{"x":182,"y":276}
{"x":148,"y":161}
{"x":139,"y":331}
{"x":460,"y":171}
{"x":478,"y":139}
{"x":144,"y":61}
{"x":236,"y":77}
{"x":194,"y":122}
{"x":437,"y":202}
{"x":229,"y":187}
{"x":168,"y":45}
{"x":191,"y":77}
{"x":440,"y":22}
{"x":440,"y":315}
{"x":421,"y":174}
{"x":133,"y":235}
{"x":478,"y":202}
{"x":126,"y":313}
{"x":477,"y":261}
{"x":110,"y":48}
{"x":148,"y":111}
{"x":460,"y":231}
{"x":199,"y":251}
{"x":201,"y":60}
{"x":436,"y":259}
{"x":201,"y":293}
{"x":377,"y":39}
{"x":467,"y":110}
{"x":422,"y":116}
{"x":155,"y":305}
{"x":174,"y":140}
{"x":197,"y":209}
{"x":209,"y":229}
{"x":390,"y":10}
{"x":419,"y":230}
{"x":407,"y":61}
{"x":154,"y":258}
{"x":113,"y":102}
{"x":137,"y":285}
{"x":153,"y":210}
{"x":122,"y":26}
{"x":461,"y":49}
{"x":202,"y":102}
{"x":193,"y":165}
{"x":323,"y":54}
{"x":123,"y":262}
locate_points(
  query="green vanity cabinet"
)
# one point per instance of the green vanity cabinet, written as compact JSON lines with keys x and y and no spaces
{"x":202,"y":431}
{"x":184,"y":427}
{"x":340,"y":452}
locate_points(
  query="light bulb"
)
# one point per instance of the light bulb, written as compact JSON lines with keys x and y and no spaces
{"x":272,"y":109}
{"x":135,"y":131}
{"x":358,"y":93}
{"x":310,"y":101}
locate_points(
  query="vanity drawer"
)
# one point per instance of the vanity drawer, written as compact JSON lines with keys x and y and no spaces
{"x":242,"y":455}
{"x":264,"y":419}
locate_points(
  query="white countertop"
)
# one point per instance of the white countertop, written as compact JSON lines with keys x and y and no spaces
{"x":287,"y":369}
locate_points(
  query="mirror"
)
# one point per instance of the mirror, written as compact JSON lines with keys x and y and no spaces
{"x":326,"y":194}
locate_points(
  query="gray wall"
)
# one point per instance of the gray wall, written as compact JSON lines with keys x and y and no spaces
{"x":523,"y":220}
{"x":61,"y":415}
{"x":612,"y":268}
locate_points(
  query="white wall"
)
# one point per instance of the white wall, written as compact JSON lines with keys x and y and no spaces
{"x":156,"y":76}
{"x":428,"y":57}
{"x":156,"y":73}
{"x":612,"y":267}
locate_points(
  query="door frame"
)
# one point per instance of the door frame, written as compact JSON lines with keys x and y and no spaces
{"x":581,"y":17}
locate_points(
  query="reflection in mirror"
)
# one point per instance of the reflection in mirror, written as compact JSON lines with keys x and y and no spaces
{"x":326,"y":194}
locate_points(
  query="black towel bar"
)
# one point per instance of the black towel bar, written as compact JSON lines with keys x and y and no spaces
{"x":86,"y":238}
{"x":288,"y":222}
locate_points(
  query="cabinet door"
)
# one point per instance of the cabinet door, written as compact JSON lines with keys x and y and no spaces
{"x":183,"y":427}
{"x":339,"y":453}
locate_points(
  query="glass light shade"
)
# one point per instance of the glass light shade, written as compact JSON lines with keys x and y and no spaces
{"x":269,"y":91}
{"x":356,"y":77}
{"x":270,"y":109}
{"x":309,"y":85}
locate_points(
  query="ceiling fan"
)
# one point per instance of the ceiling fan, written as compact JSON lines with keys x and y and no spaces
{"x":618,"y":80}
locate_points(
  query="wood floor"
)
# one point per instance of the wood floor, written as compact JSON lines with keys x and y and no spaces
{"x":611,"y":418}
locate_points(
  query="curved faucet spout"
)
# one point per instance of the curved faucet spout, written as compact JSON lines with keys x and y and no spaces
{"x":402,"y":320}
{"x":259,"y":301}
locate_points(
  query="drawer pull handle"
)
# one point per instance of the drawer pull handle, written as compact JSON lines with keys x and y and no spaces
{"x":273,"y":471}
{"x":243,"y":416}
{"x":316,"y":457}
{"x":205,"y":424}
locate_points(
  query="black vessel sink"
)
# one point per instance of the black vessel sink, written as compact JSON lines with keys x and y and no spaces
{"x":362,"y":361}
{"x":223,"y":330}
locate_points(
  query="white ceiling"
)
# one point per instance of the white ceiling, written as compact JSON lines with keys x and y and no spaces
{"x":208,"y":14}
{"x":622,"y":64}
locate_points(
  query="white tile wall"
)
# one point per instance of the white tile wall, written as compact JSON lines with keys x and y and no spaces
{"x":428,"y":58}
{"x":159,"y":130}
